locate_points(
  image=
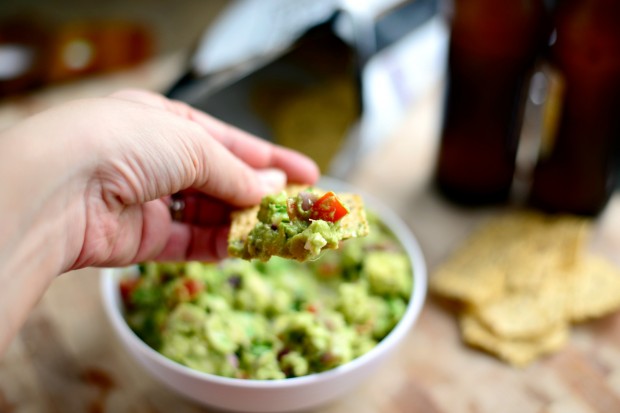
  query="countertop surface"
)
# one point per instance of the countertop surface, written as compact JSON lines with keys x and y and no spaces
{"x":67,"y":358}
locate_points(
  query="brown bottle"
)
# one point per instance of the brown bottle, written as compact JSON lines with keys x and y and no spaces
{"x":493,"y":48}
{"x":581,"y":127}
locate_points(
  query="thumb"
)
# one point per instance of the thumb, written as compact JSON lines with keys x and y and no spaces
{"x":271,"y":179}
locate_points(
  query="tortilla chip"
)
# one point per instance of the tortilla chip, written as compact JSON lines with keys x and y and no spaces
{"x":516,"y":352}
{"x":472,"y":285}
{"x":595,"y":289}
{"x":354,"y":224}
{"x":242,"y":221}
{"x":513,"y":252}
{"x":524,"y":316}
{"x":522,"y":279}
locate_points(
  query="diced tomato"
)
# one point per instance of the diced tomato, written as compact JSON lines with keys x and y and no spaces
{"x":193,"y":287}
{"x":312,"y":308}
{"x":328,"y":208}
{"x":127,"y":287}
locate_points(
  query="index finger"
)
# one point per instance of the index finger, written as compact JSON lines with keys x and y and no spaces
{"x":254,"y":151}
{"x":257,"y":152}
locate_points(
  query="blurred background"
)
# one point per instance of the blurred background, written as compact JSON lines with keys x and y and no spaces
{"x":529,"y":92}
{"x":329,"y":78}
{"x":47,"y":49}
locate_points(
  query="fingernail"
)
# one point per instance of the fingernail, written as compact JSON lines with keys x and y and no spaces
{"x":273,"y":180}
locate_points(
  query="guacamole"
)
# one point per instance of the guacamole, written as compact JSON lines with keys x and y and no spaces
{"x":276,"y":319}
{"x":297,"y":223}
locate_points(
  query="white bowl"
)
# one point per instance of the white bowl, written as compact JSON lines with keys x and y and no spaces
{"x":287,"y":395}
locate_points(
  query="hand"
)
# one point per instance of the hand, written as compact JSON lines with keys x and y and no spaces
{"x":88,"y":183}
{"x":127,"y":218}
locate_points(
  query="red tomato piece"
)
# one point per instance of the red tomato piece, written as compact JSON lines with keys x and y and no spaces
{"x":312,"y":308}
{"x":328,"y":208}
{"x":127,"y":287}
{"x":193,"y":287}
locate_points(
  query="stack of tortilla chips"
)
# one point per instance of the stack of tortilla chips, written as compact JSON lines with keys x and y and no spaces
{"x":522,"y":279}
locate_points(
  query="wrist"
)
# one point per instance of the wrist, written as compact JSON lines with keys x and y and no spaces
{"x":38,"y":191}
{"x":42,"y":186}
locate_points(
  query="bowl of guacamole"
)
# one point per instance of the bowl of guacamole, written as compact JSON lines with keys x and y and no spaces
{"x":273,"y":336}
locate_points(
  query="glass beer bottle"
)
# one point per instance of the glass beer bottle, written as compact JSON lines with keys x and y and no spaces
{"x":581,"y":122}
{"x":493,"y":48}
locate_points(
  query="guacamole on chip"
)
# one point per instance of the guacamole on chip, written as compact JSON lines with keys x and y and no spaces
{"x":297,"y":223}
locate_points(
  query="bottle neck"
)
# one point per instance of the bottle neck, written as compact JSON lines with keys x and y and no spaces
{"x":587,"y":37}
{"x":501,"y":29}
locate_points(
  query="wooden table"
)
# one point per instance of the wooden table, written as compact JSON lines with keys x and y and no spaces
{"x":67,"y":358}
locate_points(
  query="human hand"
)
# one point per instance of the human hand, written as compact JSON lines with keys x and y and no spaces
{"x":88,"y":183}
{"x":128,"y":152}
{"x":217,"y":166}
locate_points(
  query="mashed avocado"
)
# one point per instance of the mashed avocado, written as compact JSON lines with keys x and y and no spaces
{"x":274,"y":319}
{"x":278,"y":233}
{"x":297,"y":223}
